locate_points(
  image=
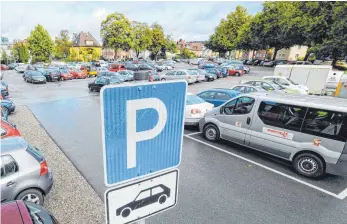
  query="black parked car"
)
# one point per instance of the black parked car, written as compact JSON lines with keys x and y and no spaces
{"x":156,"y":194}
{"x":51,"y":74}
{"x":98,"y":83}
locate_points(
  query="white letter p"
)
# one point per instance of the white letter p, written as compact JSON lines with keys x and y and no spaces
{"x":132,"y":136}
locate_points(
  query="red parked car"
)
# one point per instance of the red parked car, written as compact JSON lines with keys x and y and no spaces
{"x":8,"y":129}
{"x":77,"y":74}
{"x":117,"y":67}
{"x":234,"y":70}
{"x":65,"y":74}
{"x":3,"y":67}
{"x":23,"y":212}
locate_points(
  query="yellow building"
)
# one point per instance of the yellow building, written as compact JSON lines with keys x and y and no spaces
{"x":85,"y":48}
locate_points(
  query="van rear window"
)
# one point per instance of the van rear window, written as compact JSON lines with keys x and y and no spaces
{"x":323,"y":123}
{"x":328,"y":124}
{"x":35,"y":153}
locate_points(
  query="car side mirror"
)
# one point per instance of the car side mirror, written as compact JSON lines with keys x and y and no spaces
{"x":222,"y":110}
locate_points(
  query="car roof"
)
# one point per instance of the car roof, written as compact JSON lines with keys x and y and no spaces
{"x":313,"y":101}
{"x":12,"y":144}
{"x":224,"y":90}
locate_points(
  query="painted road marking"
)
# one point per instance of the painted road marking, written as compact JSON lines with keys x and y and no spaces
{"x":340,"y":196}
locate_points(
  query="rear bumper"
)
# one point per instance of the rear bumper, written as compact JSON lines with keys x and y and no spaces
{"x":46,"y":182}
{"x":340,"y":168}
{"x":191,"y":121}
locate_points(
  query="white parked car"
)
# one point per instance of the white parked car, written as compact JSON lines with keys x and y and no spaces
{"x":21,"y":68}
{"x":290,"y":85}
{"x":179,"y":75}
{"x":195,"y":109}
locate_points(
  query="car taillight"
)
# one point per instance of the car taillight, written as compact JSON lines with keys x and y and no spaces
{"x":195,"y":111}
{"x":43,"y":168}
{"x":188,"y":76}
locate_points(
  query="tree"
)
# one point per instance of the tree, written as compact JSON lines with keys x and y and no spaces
{"x":226,"y":36}
{"x":62,"y":45}
{"x":276,"y":26}
{"x":116,"y":32}
{"x":4,"y":57}
{"x":40,"y":44}
{"x":142,"y":37}
{"x":158,"y":40}
{"x":20,"y":51}
{"x":325,"y":28}
{"x":185,"y":53}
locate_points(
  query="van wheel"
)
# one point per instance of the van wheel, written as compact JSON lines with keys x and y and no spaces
{"x":211,"y":132}
{"x":31,"y":195}
{"x":309,"y":165}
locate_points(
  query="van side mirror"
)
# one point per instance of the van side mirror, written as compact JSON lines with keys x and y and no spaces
{"x":222,"y":110}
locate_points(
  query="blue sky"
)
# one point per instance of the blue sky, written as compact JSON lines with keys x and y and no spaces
{"x":186,"y":20}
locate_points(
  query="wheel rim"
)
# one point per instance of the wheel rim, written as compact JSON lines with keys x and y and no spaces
{"x":31,"y":198}
{"x":211,"y":133}
{"x":308,"y":165}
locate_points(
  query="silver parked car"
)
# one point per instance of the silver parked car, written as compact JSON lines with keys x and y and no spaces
{"x":24,"y":172}
{"x":247,"y":88}
{"x":179,"y":74}
{"x":309,"y":131}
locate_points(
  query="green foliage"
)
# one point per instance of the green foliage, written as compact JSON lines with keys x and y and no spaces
{"x":185,"y":53}
{"x":227,"y":33}
{"x":116,"y":32}
{"x":20,"y":52}
{"x":301,"y":58}
{"x":62,"y":45}
{"x":4,"y":58}
{"x":40,"y":44}
{"x":169,"y":46}
{"x":158,"y":40}
{"x":330,"y":37}
{"x":142,"y":36}
{"x":73,"y":55}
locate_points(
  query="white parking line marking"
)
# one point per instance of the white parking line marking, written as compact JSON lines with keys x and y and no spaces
{"x":341,"y":196}
{"x":194,"y":133}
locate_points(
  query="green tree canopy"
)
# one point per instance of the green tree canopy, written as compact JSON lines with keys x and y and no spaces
{"x":40,"y":44}
{"x":20,"y":51}
{"x":142,"y":36}
{"x":158,"y":39}
{"x":185,"y":53}
{"x":62,"y":45}
{"x":116,"y":32}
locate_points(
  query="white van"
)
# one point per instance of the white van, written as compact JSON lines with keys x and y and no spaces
{"x":310,"y":131}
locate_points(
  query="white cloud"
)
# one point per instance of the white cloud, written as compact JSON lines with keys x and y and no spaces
{"x":187,"y":20}
{"x":100,"y":12}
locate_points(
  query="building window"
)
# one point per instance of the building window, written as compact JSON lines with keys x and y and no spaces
{"x":89,"y":43}
{"x":296,"y":56}
{"x":299,"y":47}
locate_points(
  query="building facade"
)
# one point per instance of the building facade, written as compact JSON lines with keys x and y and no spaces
{"x":292,"y":54}
{"x":85,"y":48}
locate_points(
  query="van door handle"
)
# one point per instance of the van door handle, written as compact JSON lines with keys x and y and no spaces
{"x":10,"y":183}
{"x":248,"y":120}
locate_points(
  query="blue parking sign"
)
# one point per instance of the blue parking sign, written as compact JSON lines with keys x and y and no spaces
{"x":142,"y":127}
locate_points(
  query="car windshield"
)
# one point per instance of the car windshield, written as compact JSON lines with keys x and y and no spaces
{"x":238,"y":67}
{"x":193,"y":99}
{"x":191,"y":72}
{"x":291,"y":81}
{"x":36,"y":74}
{"x":277,"y":86}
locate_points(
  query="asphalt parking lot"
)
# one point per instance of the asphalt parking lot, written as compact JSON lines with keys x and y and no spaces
{"x":219,"y":182}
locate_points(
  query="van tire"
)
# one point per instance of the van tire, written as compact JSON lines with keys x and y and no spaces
{"x":211,"y":132}
{"x":309,"y":165}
